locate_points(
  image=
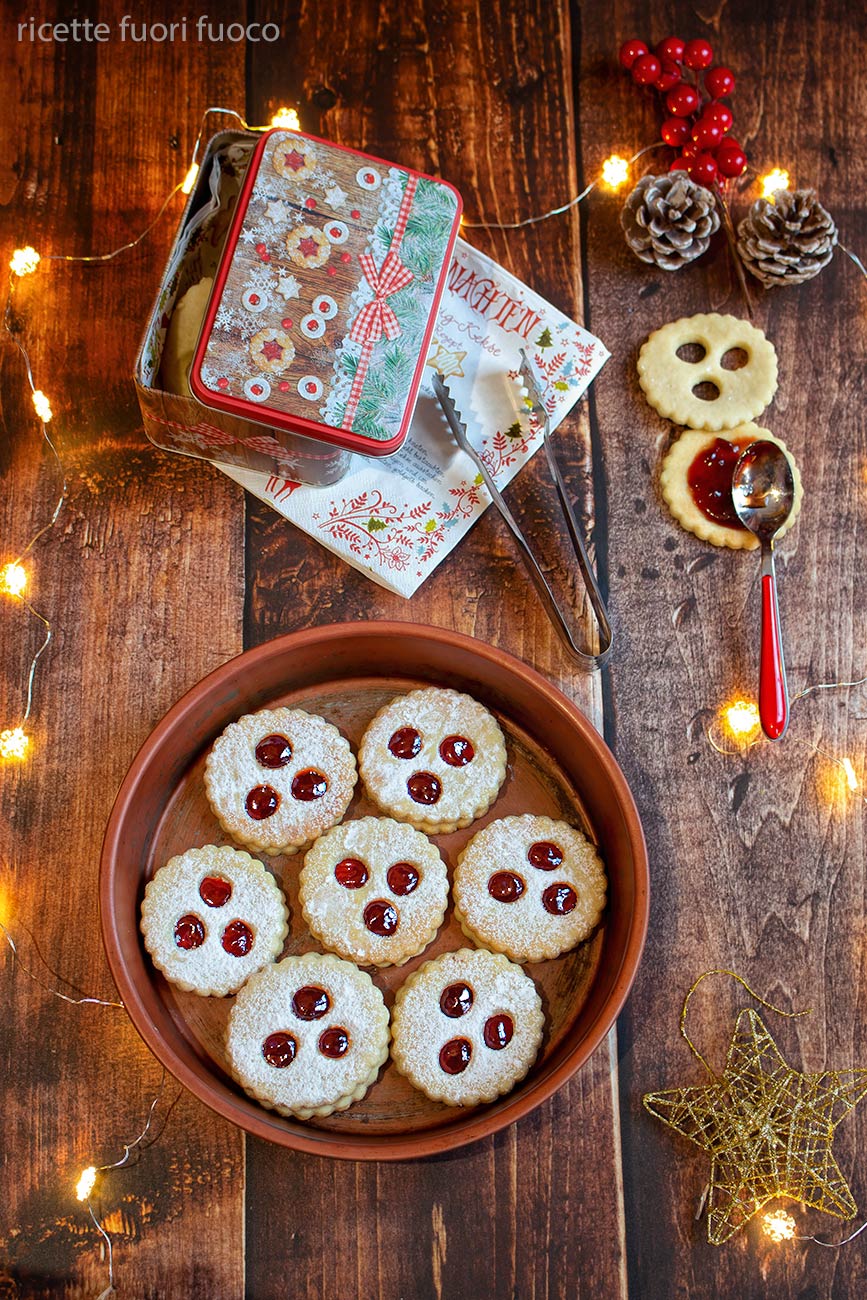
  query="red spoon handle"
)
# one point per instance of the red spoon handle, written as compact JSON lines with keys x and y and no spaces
{"x":773,"y":695}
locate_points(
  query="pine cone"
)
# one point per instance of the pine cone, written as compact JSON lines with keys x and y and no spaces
{"x":787,"y":239}
{"x":669,"y":220}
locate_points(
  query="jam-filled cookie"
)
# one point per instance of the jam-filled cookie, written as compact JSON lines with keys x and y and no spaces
{"x":529,"y":887}
{"x":434,"y":758}
{"x":211,"y":917}
{"x":308,"y":1035}
{"x":374,"y":890}
{"x":277,"y":779}
{"x":466,"y":1027}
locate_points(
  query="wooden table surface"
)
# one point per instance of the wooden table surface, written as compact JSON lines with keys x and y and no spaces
{"x":160,"y":569}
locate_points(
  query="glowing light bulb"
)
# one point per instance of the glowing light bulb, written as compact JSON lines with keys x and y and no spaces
{"x":24,"y":261}
{"x":43,"y":406}
{"x":13,"y":579}
{"x":742,"y":719}
{"x":86,"y":1182}
{"x":778,"y":1225}
{"x":190,"y":179}
{"x":778,"y":179}
{"x":851,"y":778}
{"x":615,"y":171}
{"x":287,"y":118}
{"x":14,"y":743}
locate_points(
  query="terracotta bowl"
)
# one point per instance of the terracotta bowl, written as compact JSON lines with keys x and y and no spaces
{"x":558,"y":766}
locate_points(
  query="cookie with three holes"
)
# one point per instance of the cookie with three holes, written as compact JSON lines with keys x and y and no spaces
{"x":308,"y":1035}
{"x":374,"y":891}
{"x":277,"y":779}
{"x":434,"y":758}
{"x":529,"y":887}
{"x":466,"y":1027}
{"x":212,"y":917}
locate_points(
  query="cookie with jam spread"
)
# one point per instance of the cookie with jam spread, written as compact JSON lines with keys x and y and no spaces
{"x":374,"y":890}
{"x":434,"y":758}
{"x":308,"y":1035}
{"x":529,"y":887}
{"x":277,"y":779}
{"x":696,"y":482}
{"x":466,"y":1027}
{"x":211,"y":917}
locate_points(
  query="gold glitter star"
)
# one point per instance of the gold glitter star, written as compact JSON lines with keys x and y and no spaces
{"x":768,"y":1130}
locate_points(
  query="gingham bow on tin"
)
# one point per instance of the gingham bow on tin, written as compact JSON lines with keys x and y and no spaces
{"x":377,"y":318}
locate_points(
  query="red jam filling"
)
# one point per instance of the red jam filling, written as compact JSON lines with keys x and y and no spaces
{"x":309,"y":785}
{"x":262,"y":801}
{"x":279,"y":1050}
{"x":215,"y":891}
{"x":189,"y":932}
{"x":402,"y":878}
{"x":709,"y":479}
{"x":334,"y":1042}
{"x":457,"y":751}
{"x":559,"y":899}
{"x":456,"y":1000}
{"x":498,"y":1032}
{"x":273,"y":751}
{"x":381,"y":918}
{"x":351,"y":873}
{"x":455,"y":1055}
{"x":405,"y":743}
{"x":505,"y":886}
{"x":424,"y":787}
{"x":545,"y":856}
{"x":311,"y":1003}
{"x":237,"y":938}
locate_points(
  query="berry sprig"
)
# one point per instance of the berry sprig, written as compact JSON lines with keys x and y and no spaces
{"x":696,"y":123}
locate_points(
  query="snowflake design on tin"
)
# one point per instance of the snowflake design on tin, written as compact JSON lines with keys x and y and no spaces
{"x":210,"y":377}
{"x":322,"y":177}
{"x":248,"y":236}
{"x":224,"y":319}
{"x":260,"y":277}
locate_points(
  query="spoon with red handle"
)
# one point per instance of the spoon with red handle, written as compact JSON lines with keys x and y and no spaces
{"x":763,"y":493}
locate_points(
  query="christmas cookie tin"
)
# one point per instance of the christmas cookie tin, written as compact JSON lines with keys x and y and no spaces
{"x":325,"y":297}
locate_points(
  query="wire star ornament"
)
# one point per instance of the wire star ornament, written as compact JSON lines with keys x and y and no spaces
{"x":767,"y":1127}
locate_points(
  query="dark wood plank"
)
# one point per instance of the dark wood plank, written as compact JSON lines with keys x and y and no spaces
{"x":481,"y":98}
{"x":145,"y":601}
{"x":757,"y":866}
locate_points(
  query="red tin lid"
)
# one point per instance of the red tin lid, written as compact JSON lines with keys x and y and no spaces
{"x":326,"y":294}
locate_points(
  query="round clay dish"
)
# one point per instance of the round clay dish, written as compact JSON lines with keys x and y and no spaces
{"x":558,"y":767}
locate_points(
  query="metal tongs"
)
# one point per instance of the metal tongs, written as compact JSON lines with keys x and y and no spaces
{"x":540,"y":582}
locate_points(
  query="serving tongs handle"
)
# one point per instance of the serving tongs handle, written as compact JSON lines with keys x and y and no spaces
{"x":540,"y":582}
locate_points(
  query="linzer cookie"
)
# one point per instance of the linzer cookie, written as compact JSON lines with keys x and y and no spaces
{"x":277,"y":779}
{"x":696,"y":482}
{"x":374,"y":891}
{"x":211,"y":917}
{"x":434,"y":758}
{"x":689,"y":357}
{"x":308,"y":1035}
{"x":529,"y":887}
{"x":466,"y":1027}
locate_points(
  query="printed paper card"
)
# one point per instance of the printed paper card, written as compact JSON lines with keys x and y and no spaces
{"x":396,"y":519}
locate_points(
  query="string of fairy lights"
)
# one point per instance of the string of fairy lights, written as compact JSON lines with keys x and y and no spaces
{"x":739,"y":721}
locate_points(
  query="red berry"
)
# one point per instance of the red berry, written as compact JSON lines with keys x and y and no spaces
{"x":681,"y":101}
{"x":719,"y":82}
{"x":646,"y":69}
{"x":706,"y":134}
{"x":697,"y":55}
{"x":671,"y":48}
{"x":669,"y":77}
{"x":261,"y":248}
{"x":679,"y":164}
{"x":730,"y":143}
{"x":675,"y":131}
{"x":719,"y":113}
{"x":690,"y":151}
{"x":631,"y":51}
{"x":731,"y":162}
{"x":703,"y":169}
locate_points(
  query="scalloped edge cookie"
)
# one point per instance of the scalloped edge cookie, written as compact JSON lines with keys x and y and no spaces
{"x":668,"y":381}
{"x":678,"y":498}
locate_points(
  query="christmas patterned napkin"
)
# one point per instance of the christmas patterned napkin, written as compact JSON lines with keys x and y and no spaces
{"x":397,"y":518}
